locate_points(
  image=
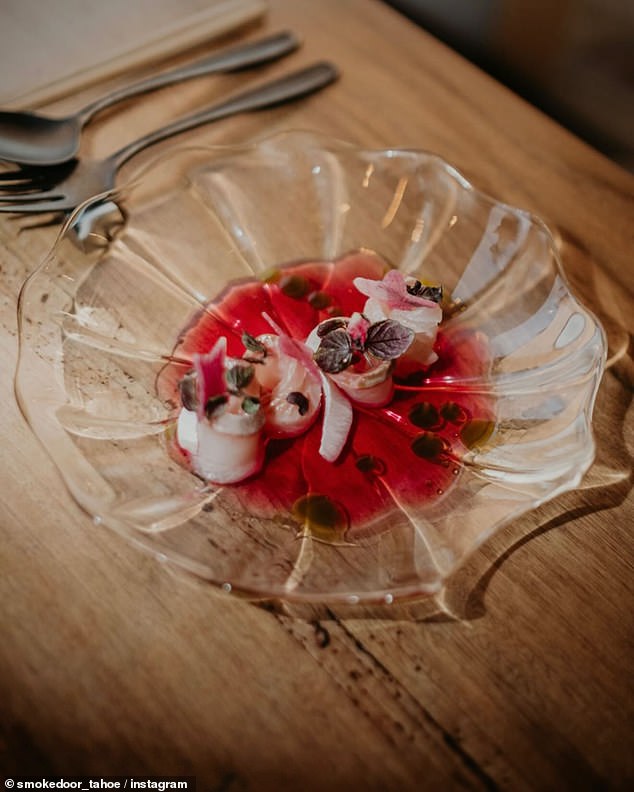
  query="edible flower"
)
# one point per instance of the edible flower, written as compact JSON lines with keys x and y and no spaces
{"x":393,"y":291}
{"x":408,"y":302}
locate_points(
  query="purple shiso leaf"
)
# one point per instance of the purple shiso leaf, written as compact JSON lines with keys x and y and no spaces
{"x":329,"y":325}
{"x":388,"y":339}
{"x":334,"y":353}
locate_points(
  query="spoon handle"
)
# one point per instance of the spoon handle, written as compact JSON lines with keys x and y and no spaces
{"x":292,"y":86}
{"x":242,"y":56}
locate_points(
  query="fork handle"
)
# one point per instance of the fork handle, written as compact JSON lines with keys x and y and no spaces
{"x":292,"y":86}
{"x":242,"y":56}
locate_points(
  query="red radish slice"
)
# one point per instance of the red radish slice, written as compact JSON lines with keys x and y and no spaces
{"x":210,"y":369}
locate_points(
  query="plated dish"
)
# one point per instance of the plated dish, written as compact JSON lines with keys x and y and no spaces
{"x":225,"y":360}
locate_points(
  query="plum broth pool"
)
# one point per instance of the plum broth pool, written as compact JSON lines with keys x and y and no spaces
{"x":403,"y":456}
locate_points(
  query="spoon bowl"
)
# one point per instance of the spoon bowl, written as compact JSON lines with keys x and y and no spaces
{"x":28,"y":138}
{"x":34,"y":139}
{"x":86,"y":178}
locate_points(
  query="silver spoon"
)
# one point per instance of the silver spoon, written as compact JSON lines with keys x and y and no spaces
{"x":29,"y":138}
{"x":93,"y":177}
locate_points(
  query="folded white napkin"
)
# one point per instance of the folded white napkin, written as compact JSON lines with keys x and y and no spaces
{"x":50,"y":49}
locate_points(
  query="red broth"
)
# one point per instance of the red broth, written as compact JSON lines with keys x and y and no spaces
{"x":405,"y":455}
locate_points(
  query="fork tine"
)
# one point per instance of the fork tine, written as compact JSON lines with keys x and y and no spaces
{"x":49,"y":174}
{"x":37,"y":182}
{"x":32,"y":197}
{"x":12,"y":189}
{"x":21,"y":183}
{"x":59,"y":205}
{"x":24,"y":174}
{"x":8,"y":177}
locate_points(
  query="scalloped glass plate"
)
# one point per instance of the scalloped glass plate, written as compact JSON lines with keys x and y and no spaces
{"x":101,"y":318}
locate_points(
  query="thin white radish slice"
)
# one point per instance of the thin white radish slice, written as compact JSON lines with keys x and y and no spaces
{"x":337,"y":420}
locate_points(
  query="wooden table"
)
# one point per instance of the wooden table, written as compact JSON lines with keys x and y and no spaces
{"x":110,"y":664}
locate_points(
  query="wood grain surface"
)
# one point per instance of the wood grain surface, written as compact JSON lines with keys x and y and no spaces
{"x":522,"y":679}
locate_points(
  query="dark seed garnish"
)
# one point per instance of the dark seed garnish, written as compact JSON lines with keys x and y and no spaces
{"x":433,"y":293}
{"x":298,"y":398}
{"x":188,"y":391}
{"x":253,"y":345}
{"x":214,"y":402}
{"x":294,"y":286}
{"x":414,"y":288}
{"x":413,"y":379}
{"x":238,"y":377}
{"x":319,"y":300}
{"x":329,"y":325}
{"x":322,"y":517}
{"x":429,"y":446}
{"x":388,"y":339}
{"x":367,"y":463}
{"x":453,"y":413}
{"x":425,"y":415}
{"x":334,"y":353}
{"x":334,"y":310}
{"x":250,"y":405}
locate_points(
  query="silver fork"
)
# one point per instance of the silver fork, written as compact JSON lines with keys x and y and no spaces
{"x":30,"y":138}
{"x":92,"y":177}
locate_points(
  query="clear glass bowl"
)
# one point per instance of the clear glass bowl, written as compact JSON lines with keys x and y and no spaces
{"x":99,"y":320}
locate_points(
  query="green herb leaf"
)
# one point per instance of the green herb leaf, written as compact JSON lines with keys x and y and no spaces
{"x":239,"y":376}
{"x":250,"y":405}
{"x":253,"y":345}
{"x":334,"y":353}
{"x":388,"y":339}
